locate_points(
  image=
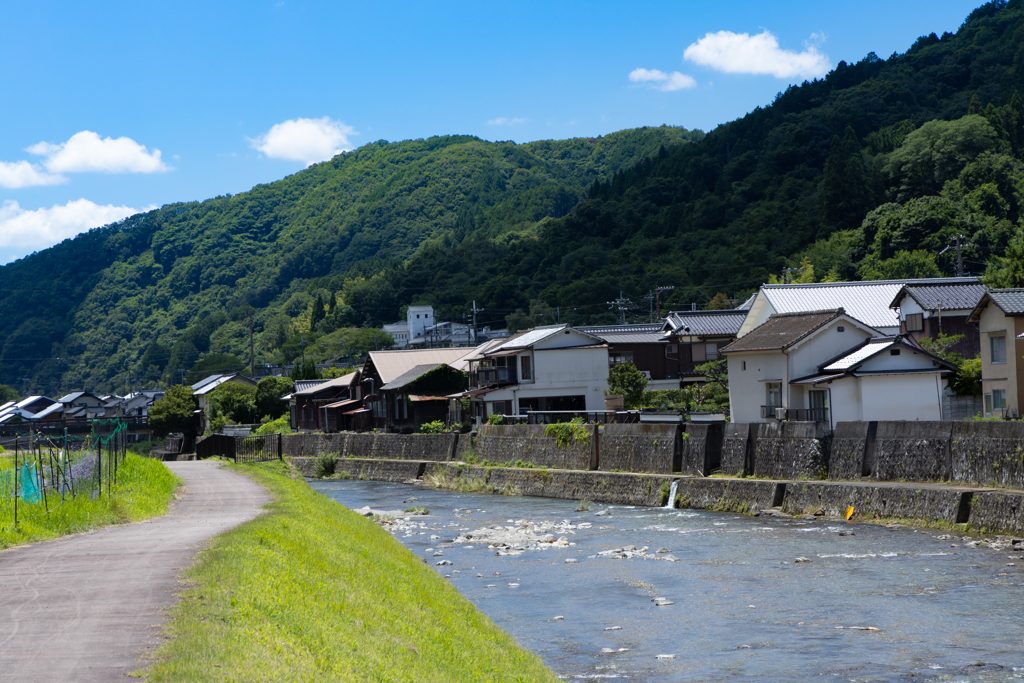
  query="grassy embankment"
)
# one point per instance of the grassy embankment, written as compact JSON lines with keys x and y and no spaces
{"x":143,"y":490}
{"x":313,"y":592}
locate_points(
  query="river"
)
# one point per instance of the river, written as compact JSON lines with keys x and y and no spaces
{"x":865,"y":603}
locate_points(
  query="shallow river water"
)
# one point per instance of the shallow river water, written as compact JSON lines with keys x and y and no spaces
{"x":743,"y":607}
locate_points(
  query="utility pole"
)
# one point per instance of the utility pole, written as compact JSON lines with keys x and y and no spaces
{"x":650,"y":305}
{"x":657,"y":296}
{"x":957,"y":242}
{"x":475,"y":311}
{"x":252,"y":352}
{"x":622,"y":304}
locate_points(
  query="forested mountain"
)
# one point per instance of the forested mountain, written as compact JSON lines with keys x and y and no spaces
{"x":865,"y":173}
{"x":150,"y":295}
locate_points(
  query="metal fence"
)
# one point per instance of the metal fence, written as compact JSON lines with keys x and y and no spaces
{"x":42,"y":469}
{"x":240,"y":448}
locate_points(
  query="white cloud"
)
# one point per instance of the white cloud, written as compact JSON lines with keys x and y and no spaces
{"x":87,"y":152}
{"x":305,"y":140}
{"x":34,"y":230}
{"x":16,"y":174}
{"x":742,"y":53}
{"x":502,"y":121}
{"x":661,"y":80}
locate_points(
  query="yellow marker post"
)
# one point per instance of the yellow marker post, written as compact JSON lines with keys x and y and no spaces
{"x":849,"y":512}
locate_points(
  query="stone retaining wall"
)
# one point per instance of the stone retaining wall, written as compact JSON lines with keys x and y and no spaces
{"x":849,"y":449}
{"x":988,"y":453}
{"x":701,"y":449}
{"x":912,"y":451}
{"x":728,"y":495}
{"x":509,"y":443}
{"x":368,"y":469}
{"x":929,"y":504}
{"x":790,"y":450}
{"x":991,"y":511}
{"x":738,"y":448}
{"x":435,"y":447}
{"x":998,"y":512}
{"x":654,"y":448}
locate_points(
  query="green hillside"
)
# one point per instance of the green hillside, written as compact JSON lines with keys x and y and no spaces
{"x":150,"y":295}
{"x":866,"y":173}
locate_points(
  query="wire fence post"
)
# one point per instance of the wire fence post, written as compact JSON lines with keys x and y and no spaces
{"x":99,"y":460}
{"x":16,"y":439}
{"x":42,"y":475}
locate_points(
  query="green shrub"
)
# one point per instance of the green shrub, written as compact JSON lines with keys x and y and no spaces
{"x":496,"y":419}
{"x":325,"y":464}
{"x":435,"y":427}
{"x":278,"y":426}
{"x":569,"y":433}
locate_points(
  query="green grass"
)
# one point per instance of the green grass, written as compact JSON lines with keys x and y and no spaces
{"x":143,"y":490}
{"x":313,"y":592}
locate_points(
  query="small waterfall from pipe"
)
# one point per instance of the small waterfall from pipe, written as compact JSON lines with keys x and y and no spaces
{"x":672,"y":495}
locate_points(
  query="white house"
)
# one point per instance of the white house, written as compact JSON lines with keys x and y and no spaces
{"x":869,"y":301}
{"x":410,"y":331}
{"x":827,"y":366}
{"x":202,"y":390}
{"x":544,"y":369}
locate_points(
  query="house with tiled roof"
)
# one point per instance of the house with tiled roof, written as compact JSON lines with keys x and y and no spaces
{"x":696,"y":337}
{"x":550,"y":368}
{"x":1000,"y":320}
{"x":869,"y":301}
{"x":828,"y":366}
{"x":388,"y":376}
{"x":941,"y":307}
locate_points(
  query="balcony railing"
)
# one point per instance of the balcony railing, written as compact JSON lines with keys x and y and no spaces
{"x":795,"y":414}
{"x":807,"y":414}
{"x":487,"y":377}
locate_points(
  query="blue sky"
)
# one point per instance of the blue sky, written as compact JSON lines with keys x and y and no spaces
{"x":238,"y":93}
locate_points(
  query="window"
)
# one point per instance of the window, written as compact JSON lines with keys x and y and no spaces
{"x":988,"y":405}
{"x":997,"y":347}
{"x":699,"y":353}
{"x":620,"y":357}
{"x":774,"y":394}
{"x":526,"y":368}
{"x":999,"y":399}
{"x":915,"y":322}
{"x":711,"y":351}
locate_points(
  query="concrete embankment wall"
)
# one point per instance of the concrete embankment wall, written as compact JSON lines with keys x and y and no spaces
{"x":787,"y":450}
{"x":975,"y":453}
{"x":935,"y":504}
{"x":368,"y":469}
{"x":509,"y":443}
{"x":991,"y":511}
{"x":435,"y":447}
{"x":655,"y":448}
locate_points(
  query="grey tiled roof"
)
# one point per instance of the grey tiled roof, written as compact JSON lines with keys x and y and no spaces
{"x":1009,"y":301}
{"x":707,"y":323}
{"x":411,"y":375}
{"x":782,"y":330}
{"x":955,"y":295}
{"x":637,"y":328}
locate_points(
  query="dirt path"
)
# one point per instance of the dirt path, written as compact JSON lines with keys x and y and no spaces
{"x":85,"y":608}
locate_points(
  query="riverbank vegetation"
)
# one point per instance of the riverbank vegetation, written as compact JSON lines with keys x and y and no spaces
{"x":144,"y":488}
{"x":312,"y":591}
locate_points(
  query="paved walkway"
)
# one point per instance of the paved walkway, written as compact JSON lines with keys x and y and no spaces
{"x":86,"y":607}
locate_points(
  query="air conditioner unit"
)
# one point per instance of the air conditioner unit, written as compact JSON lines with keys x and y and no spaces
{"x":646,"y":373}
{"x":671,"y":348}
{"x":780,"y":413}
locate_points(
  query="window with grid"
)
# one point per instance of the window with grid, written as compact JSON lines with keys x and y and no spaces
{"x":997,"y":347}
{"x":915,"y":322}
